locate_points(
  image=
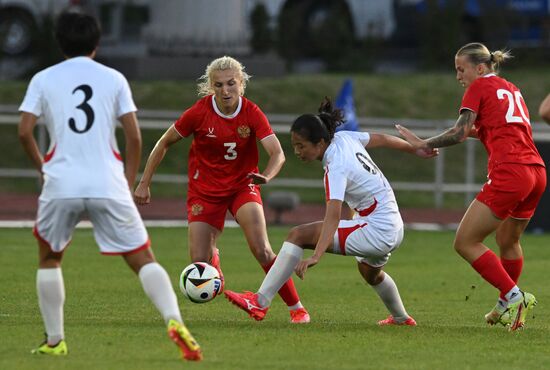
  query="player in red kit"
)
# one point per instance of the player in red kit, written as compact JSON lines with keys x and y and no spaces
{"x":493,"y":110}
{"x":223,"y":169}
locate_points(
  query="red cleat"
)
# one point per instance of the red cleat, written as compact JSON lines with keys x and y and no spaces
{"x":391,"y":321}
{"x":299,"y":316}
{"x":248,"y":302}
{"x":215,"y":261}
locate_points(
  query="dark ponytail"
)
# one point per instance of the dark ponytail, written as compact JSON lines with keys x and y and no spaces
{"x":313,"y":127}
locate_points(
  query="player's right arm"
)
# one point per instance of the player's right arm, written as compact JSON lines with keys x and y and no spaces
{"x":26,"y":137}
{"x":132,"y":137}
{"x":142,"y":194}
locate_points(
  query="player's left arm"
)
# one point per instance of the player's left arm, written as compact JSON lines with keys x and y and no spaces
{"x":132,"y":136}
{"x":330,"y":225}
{"x":27,"y":123}
{"x":452,"y":136}
{"x":394,"y":142}
{"x":273,"y":148}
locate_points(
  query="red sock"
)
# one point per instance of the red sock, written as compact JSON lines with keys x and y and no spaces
{"x":513,"y":267}
{"x":288,"y":291}
{"x":490,"y":268}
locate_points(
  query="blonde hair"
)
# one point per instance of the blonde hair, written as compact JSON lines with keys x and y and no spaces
{"x":478,"y":53}
{"x":221,"y":64}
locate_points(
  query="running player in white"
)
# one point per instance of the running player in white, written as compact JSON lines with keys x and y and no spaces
{"x":80,"y":101}
{"x":352,"y":177}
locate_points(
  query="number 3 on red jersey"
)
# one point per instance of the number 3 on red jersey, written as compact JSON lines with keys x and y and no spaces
{"x":514,"y":100}
{"x":231,"y":152}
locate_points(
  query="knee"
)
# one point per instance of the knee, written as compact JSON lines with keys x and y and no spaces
{"x":294,"y":235}
{"x":263,"y":253}
{"x":375,"y":278}
{"x":505,"y":241}
{"x":460,"y":246}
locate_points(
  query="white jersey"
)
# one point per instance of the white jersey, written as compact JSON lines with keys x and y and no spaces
{"x":352,"y":176}
{"x":80,"y":101}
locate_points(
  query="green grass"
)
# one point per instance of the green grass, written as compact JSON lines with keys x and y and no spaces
{"x":111,"y":325}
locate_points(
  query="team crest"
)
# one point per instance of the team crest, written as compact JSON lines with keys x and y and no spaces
{"x":196,"y":209}
{"x":243,"y":131}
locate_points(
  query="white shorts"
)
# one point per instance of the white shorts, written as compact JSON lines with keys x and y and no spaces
{"x":118,"y":228}
{"x":367,"y":242}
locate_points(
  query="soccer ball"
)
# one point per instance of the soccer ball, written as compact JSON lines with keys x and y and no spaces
{"x":200,"y":282}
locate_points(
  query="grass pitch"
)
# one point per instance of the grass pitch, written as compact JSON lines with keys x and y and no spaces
{"x":110,"y":324}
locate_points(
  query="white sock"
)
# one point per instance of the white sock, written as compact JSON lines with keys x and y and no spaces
{"x":388,"y":293}
{"x":287,"y":259}
{"x":156,"y":284}
{"x":51,"y":297}
{"x":513,"y":295}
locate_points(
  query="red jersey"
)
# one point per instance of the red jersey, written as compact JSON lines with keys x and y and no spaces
{"x":224,"y":148}
{"x":502,"y":121}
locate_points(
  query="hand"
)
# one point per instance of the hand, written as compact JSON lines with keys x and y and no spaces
{"x":303,"y":265}
{"x":142,"y":195}
{"x":411,"y":138}
{"x":427,"y":153}
{"x":257,"y":178}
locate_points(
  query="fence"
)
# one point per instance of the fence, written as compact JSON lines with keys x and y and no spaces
{"x":160,"y":120}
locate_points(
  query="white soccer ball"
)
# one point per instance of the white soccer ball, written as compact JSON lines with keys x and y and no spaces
{"x":200,"y":282}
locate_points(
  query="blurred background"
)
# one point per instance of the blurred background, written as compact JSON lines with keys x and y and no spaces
{"x":385,"y":61}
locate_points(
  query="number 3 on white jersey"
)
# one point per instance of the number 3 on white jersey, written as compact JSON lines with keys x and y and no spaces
{"x":510,"y":118}
{"x":231,"y":152}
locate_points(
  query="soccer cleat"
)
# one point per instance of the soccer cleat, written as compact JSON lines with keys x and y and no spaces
{"x":248,"y":302}
{"x":180,"y":335}
{"x":496,"y":316}
{"x":215,"y":261}
{"x":519,"y":310}
{"x":299,"y":316}
{"x":391,"y":321}
{"x":60,"y":349}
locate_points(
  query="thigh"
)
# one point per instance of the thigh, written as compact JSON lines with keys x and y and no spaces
{"x":56,"y":220}
{"x":118,"y":228}
{"x":477,"y":223}
{"x":306,"y":235}
{"x":202,"y":239}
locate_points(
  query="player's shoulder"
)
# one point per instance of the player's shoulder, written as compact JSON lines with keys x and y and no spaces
{"x":249,"y":105}
{"x":349,"y":136}
{"x":202,"y":104}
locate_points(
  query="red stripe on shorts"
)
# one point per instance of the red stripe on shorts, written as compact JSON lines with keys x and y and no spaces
{"x":138,"y":249}
{"x":343,"y":234}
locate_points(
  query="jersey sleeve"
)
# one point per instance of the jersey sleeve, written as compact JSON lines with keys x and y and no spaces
{"x":188,"y":121}
{"x":472,"y":98}
{"x":125,"y":102}
{"x":32,"y":102}
{"x":335,"y":181}
{"x":262,"y":127}
{"x":362,"y":137}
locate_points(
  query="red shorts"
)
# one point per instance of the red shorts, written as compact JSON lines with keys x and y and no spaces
{"x":513,"y":190}
{"x":213,"y":210}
